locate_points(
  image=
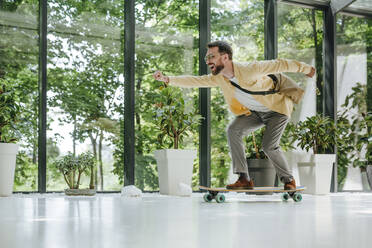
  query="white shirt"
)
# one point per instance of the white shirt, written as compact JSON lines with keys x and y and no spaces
{"x":248,"y":100}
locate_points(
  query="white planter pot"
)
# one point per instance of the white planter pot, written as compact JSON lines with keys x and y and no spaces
{"x":174,"y":168}
{"x":369,"y":175}
{"x":316,"y":174}
{"x":356,"y":179}
{"x":8,"y":153}
{"x":365,"y":182}
{"x":353,"y":180}
{"x":293,"y":158}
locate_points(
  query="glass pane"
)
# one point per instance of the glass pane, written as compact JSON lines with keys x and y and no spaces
{"x":85,"y":90}
{"x":19,"y":73}
{"x":241,"y":24}
{"x":300,"y":37}
{"x":166,"y":40}
{"x":353,"y":52}
{"x":362,"y":4}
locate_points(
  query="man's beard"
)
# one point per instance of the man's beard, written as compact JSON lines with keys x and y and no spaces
{"x":218,"y":69}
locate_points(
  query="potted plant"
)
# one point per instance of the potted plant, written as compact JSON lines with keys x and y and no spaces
{"x":316,"y":134}
{"x":345,"y":147}
{"x":72,"y":169}
{"x":259,"y":166}
{"x":174,"y":116}
{"x":9,"y":114}
{"x":359,"y":128}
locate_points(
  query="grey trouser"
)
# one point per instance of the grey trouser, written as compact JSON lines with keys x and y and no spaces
{"x":243,"y":125}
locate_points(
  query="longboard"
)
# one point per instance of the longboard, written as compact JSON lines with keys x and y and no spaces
{"x":214,"y":193}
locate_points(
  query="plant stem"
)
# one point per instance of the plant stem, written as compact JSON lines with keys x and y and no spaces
{"x":68,"y":183}
{"x":255,"y":146}
{"x":78,"y":180}
{"x":176,"y":137}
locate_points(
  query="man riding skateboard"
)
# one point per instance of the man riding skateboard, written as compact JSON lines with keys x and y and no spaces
{"x":259,"y":95}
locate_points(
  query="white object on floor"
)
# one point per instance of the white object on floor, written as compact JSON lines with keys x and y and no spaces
{"x":131,"y":191}
{"x":184,"y":190}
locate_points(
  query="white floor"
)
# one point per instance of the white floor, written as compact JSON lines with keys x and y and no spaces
{"x":109,"y":220}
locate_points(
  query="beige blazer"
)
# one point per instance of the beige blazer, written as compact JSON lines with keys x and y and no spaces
{"x":253,"y":77}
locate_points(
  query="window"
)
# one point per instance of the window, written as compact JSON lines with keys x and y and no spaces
{"x":85,"y":88}
{"x":166,"y":40}
{"x":19,"y":71}
{"x":353,"y":44}
{"x":300,"y":37}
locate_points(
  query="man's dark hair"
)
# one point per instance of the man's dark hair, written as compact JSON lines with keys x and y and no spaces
{"x":223,"y":47}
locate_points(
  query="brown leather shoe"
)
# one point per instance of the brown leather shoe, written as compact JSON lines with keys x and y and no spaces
{"x":291,"y":185}
{"x":242,"y":183}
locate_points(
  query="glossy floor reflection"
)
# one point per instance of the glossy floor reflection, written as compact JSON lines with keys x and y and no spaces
{"x":108,"y":220}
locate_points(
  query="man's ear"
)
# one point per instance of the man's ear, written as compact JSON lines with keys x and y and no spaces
{"x":225,"y":57}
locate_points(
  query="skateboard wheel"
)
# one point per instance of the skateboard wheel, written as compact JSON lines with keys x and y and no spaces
{"x":285,"y":196}
{"x":297,"y":197}
{"x":208,"y":197}
{"x":220,"y":198}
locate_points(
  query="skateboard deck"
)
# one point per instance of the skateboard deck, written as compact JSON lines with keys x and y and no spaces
{"x":214,"y":193}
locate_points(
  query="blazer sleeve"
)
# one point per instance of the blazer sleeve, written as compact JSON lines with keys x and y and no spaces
{"x":205,"y":81}
{"x":262,"y":68}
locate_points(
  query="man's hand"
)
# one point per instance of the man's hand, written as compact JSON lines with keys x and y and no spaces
{"x":160,"y":77}
{"x":311,"y":73}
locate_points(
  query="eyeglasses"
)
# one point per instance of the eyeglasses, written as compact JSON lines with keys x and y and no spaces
{"x":209,"y":56}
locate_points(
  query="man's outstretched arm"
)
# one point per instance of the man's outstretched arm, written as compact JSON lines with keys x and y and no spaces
{"x":187,"y":81}
{"x":261,"y":68}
